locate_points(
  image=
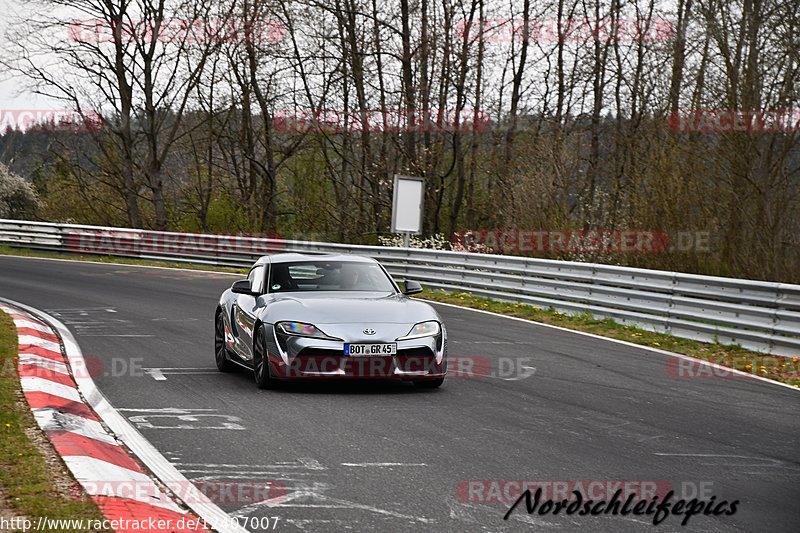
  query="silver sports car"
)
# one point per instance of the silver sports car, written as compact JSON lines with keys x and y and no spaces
{"x":328,"y":316}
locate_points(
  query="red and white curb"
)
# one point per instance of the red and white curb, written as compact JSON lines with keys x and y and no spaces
{"x":98,"y":445}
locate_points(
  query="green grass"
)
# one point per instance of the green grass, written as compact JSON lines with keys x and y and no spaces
{"x":25,"y":475}
{"x":785,"y":370}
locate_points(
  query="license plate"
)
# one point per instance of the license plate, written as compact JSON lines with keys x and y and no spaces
{"x":370,"y":350}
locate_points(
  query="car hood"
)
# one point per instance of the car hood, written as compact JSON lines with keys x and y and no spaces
{"x":346,"y":308}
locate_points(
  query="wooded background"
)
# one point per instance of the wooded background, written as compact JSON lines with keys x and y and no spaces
{"x":292,"y":117}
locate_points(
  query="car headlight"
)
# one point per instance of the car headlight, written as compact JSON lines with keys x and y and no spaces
{"x":301,"y":329}
{"x":431,"y":328}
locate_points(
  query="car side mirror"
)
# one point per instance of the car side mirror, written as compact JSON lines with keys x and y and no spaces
{"x":241,"y":287}
{"x":412,"y":287}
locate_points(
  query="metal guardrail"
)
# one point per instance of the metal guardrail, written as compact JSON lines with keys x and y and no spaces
{"x":757,"y":315}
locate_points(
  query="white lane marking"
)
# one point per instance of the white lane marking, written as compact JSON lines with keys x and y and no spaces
{"x":200,"y":503}
{"x":651,"y":438}
{"x":179,"y":368}
{"x":96,"y":322}
{"x":101,"y":478}
{"x":30,"y":324}
{"x":768,"y":475}
{"x":324,"y":502}
{"x":36,"y":384}
{"x":188,"y":421}
{"x":155,"y":373}
{"x":29,"y":359}
{"x":54,"y":420}
{"x":701,"y":455}
{"x":461,"y":511}
{"x":288,"y":480}
{"x":617,"y":341}
{"x":247,"y":473}
{"x":528,"y":519}
{"x":297,"y":478}
{"x":57,"y":310}
{"x":111,"y":335}
{"x":303,"y":523}
{"x":160,"y":374}
{"x":172,"y":410}
{"x":249,"y":466}
{"x":762,"y":462}
{"x":310,"y":463}
{"x":480,"y":375}
{"x":491,"y":342}
{"x":30,"y":340}
{"x":197,"y":373}
{"x":366,"y":465}
{"x":531,"y":371}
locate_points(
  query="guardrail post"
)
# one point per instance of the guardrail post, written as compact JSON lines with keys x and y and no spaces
{"x":671,"y":303}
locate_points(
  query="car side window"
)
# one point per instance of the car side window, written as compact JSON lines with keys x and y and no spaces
{"x":256,"y":278}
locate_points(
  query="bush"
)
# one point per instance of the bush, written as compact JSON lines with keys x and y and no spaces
{"x":17,"y":197}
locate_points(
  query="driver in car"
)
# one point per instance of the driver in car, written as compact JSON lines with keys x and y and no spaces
{"x":348,"y":277}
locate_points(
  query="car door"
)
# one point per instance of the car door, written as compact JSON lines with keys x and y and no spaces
{"x":244,"y":313}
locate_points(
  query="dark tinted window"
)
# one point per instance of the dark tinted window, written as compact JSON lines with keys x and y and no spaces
{"x":329,"y":276}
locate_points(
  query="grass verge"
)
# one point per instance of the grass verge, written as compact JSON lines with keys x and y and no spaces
{"x":785,"y":370}
{"x":36,"y":484}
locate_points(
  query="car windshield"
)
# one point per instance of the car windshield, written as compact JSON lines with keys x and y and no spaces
{"x":329,"y":276}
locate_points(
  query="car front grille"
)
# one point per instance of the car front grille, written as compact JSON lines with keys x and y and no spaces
{"x":327,"y":360}
{"x":416,"y":360}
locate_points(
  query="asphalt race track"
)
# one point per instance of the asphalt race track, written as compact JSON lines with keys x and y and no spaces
{"x":387,"y":457}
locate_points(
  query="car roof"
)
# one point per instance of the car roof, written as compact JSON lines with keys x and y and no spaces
{"x":296,"y":257}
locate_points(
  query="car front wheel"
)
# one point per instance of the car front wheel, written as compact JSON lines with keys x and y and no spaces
{"x":260,"y":365}
{"x":220,"y":350}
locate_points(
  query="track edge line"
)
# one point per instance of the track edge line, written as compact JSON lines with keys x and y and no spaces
{"x":618,"y":341}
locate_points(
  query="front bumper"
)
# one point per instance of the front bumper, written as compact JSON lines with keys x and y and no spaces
{"x":292,"y":357}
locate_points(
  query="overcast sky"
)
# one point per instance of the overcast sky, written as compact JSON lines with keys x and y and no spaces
{"x":10,"y":88}
{"x":14,"y":95}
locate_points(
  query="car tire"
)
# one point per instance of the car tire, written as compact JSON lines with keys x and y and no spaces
{"x":429,"y":383}
{"x":260,"y":364}
{"x":221,"y":355}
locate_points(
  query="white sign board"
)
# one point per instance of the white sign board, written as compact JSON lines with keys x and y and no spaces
{"x":409,"y":194}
